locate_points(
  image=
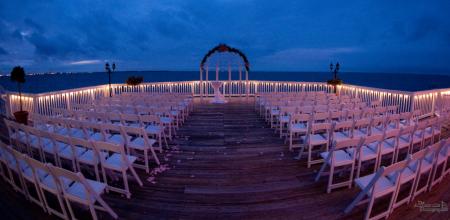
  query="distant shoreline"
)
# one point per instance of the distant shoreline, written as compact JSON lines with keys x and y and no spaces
{"x":255,"y":71}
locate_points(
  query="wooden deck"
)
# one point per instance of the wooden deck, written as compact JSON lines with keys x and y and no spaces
{"x":227,"y":164}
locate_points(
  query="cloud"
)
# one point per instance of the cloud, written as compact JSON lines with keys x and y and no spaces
{"x":85,"y":62}
{"x":176,"y":33}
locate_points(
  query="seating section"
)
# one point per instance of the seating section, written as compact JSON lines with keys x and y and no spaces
{"x":373,"y":145}
{"x":104,"y":141}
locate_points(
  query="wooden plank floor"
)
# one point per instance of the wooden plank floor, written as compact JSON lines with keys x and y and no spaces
{"x":227,"y":164}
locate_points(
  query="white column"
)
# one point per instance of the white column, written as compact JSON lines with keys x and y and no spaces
{"x":229,"y":80}
{"x":201,"y":83}
{"x":207,"y":84}
{"x":240,"y":80}
{"x":247,"y":86}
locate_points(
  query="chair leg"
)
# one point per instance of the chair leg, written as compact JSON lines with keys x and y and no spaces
{"x":147,"y":170}
{"x":369,"y":209}
{"x":106,"y":207}
{"x":93,"y":213}
{"x":320,"y":171}
{"x":136,"y":176}
{"x":70,"y":209}
{"x":125,"y":183}
{"x":330,"y":179}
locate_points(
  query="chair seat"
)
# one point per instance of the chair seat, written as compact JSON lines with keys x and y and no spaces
{"x":48,"y":182}
{"x":153,"y":129}
{"x":116,"y":162}
{"x":67,"y":153}
{"x":299,"y":127}
{"x":441,"y":158}
{"x":78,"y":190}
{"x":96,"y":136}
{"x":316,"y":139}
{"x":417,"y":137}
{"x":34,"y":142}
{"x":366,"y":153}
{"x":357,"y":133}
{"x":61,"y":130}
{"x":376,"y":130}
{"x":49,"y":148}
{"x":139,"y":143}
{"x":28,"y":174}
{"x":77,"y":133}
{"x":425,"y":167}
{"x":340,"y":157}
{"x":382,"y":187}
{"x":115,"y":139}
{"x":166,"y":120}
{"x":386,"y":147}
{"x":403,"y":143}
{"x":89,"y":157}
{"x":340,"y":136}
{"x":133,"y":124}
{"x":407,"y":175}
{"x":275,"y":112}
{"x":428,"y":132}
{"x":285,"y":118}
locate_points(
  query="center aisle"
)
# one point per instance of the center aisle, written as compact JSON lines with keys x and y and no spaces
{"x":227,"y":163}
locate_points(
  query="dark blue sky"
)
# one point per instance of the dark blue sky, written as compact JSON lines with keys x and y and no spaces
{"x":364,"y":35}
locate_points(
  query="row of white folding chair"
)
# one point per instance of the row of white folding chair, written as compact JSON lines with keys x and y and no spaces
{"x":273,"y":114}
{"x":85,"y":128}
{"x":395,"y":178}
{"x":403,"y":135}
{"x":93,"y":152}
{"x":168,"y":118}
{"x":133,"y":137}
{"x":64,"y":184}
{"x":345,"y":125}
{"x":326,"y":116}
{"x":363,"y":149}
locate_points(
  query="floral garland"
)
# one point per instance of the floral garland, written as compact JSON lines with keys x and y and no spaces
{"x":221,"y":48}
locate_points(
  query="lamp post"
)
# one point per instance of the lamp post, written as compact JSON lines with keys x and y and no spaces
{"x":336,"y":70}
{"x":108,"y":70}
{"x":331,"y":69}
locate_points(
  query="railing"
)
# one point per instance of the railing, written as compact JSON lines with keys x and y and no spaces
{"x":428,"y":102}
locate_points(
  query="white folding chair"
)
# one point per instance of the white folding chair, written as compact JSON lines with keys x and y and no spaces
{"x":298,"y":125}
{"x":47,"y":183}
{"x":439,"y":161}
{"x":89,"y":157}
{"x":376,"y":186}
{"x":93,"y":131}
{"x":154,"y":128}
{"x":338,"y":157}
{"x":388,"y":146}
{"x":58,"y":148}
{"x":82,"y":191}
{"x":27,"y":176}
{"x":131,"y":120}
{"x":342,"y":131}
{"x":14,"y":168}
{"x":117,"y":161}
{"x":422,"y":165}
{"x":137,"y":139}
{"x":318,"y":135}
{"x":361,"y":127}
{"x":404,"y":140}
{"x":406,"y":180}
{"x":366,"y":152}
